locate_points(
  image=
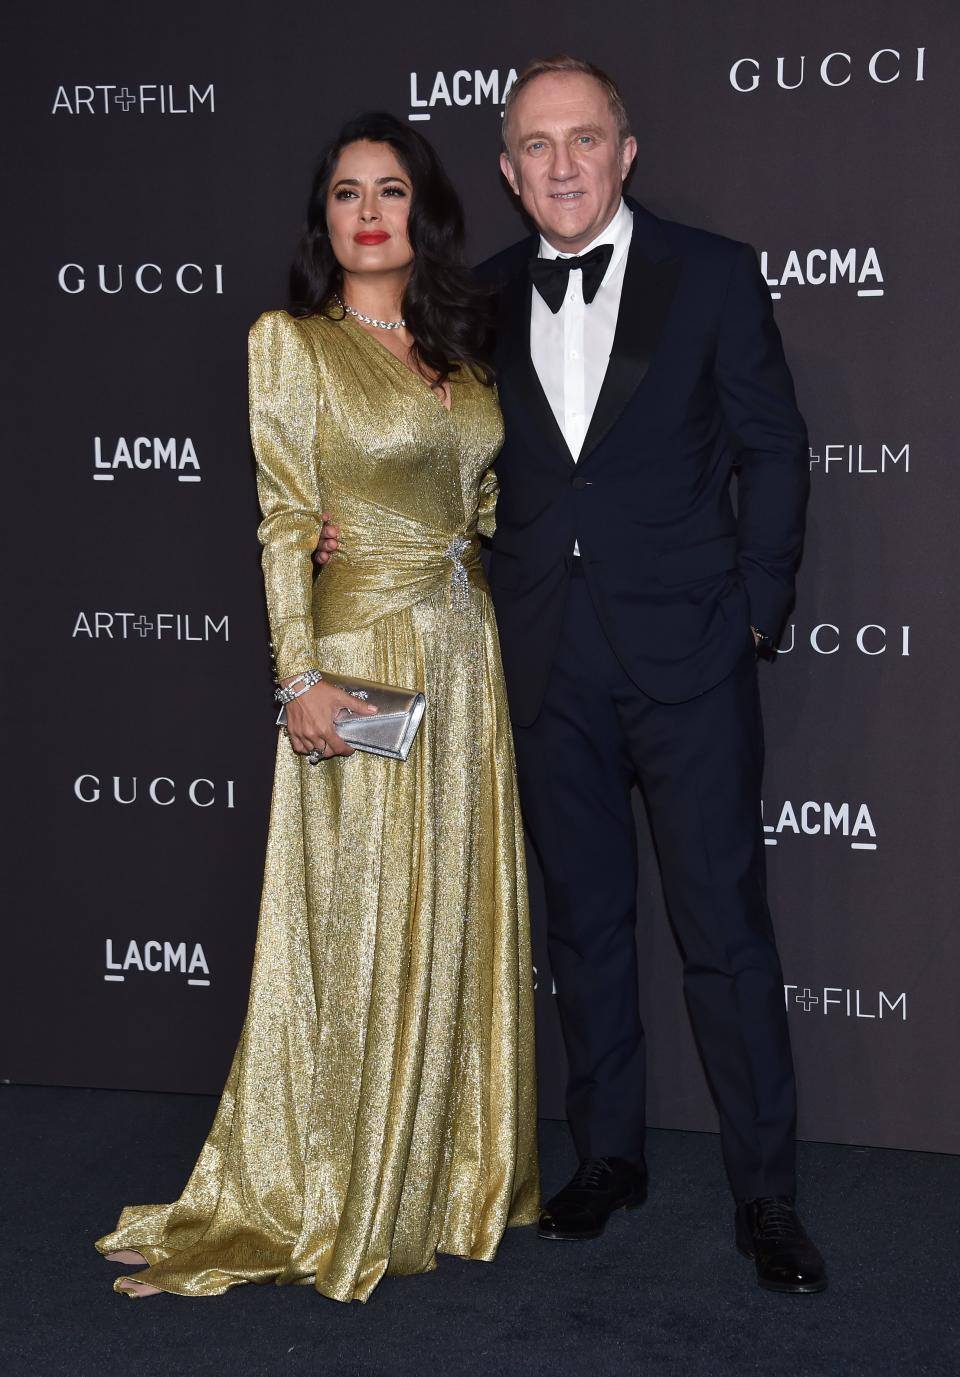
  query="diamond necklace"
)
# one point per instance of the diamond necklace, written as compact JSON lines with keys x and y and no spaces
{"x":368,"y":320}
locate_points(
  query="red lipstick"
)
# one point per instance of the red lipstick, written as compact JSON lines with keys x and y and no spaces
{"x":371,"y":237}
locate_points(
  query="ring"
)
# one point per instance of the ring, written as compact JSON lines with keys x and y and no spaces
{"x":316,"y":756}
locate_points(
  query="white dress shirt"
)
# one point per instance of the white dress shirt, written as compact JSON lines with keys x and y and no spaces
{"x":570,"y":350}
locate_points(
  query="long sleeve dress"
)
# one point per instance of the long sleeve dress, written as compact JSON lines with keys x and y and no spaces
{"x":380,"y":1107}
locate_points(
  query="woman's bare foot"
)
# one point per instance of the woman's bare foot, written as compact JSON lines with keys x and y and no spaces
{"x":130,"y":1284}
{"x":138,"y":1288}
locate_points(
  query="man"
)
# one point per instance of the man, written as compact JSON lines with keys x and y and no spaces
{"x":639,"y":367}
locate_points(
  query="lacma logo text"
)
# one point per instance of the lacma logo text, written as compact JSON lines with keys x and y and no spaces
{"x":823,"y":267}
{"x":458,"y":89}
{"x":145,"y":453}
{"x":812,"y":819}
{"x":156,"y":957}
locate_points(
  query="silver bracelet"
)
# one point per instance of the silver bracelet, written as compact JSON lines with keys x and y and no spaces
{"x":308,"y":678}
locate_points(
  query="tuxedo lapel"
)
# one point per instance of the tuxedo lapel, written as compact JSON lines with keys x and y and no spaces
{"x":514,"y":363}
{"x":648,"y":287}
{"x":649,"y":282}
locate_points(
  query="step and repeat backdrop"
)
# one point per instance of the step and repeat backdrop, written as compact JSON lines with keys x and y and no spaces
{"x":155,"y":184}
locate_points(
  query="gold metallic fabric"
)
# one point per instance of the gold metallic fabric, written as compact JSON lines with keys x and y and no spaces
{"x":381,"y":1104}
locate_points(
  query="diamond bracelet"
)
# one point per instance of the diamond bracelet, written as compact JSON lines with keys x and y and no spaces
{"x":307,"y":679}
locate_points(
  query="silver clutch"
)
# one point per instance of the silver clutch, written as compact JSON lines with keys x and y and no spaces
{"x":391,"y":732}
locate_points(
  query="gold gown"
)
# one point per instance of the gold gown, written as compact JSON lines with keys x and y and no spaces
{"x":381,"y":1102}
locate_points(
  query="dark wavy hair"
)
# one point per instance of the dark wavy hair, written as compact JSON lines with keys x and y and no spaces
{"x":447,"y":312}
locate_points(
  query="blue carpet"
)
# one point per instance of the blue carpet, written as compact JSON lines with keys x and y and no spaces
{"x":663,"y":1292}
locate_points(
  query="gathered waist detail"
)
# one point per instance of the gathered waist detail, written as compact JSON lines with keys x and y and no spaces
{"x":458,"y":552}
{"x":388,"y":561}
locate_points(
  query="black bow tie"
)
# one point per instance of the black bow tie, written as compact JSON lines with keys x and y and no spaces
{"x":550,"y":275}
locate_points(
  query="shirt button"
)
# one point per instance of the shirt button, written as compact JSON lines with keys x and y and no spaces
{"x":574,"y":354}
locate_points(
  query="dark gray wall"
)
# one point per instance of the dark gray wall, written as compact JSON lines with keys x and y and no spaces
{"x":168,"y":134}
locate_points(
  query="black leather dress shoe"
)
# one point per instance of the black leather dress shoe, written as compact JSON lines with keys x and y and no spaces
{"x":769,"y":1232}
{"x":598,"y":1187}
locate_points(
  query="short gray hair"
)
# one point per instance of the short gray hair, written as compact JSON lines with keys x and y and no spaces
{"x":563,"y":63}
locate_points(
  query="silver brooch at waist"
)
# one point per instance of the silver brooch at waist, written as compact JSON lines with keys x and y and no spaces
{"x":459,"y":579}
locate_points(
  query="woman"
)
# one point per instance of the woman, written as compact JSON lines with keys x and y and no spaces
{"x":380,"y":1107}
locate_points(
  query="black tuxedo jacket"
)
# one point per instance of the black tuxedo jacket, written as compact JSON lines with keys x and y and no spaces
{"x":697,"y":387}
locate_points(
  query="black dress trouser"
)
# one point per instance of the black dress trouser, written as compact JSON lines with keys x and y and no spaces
{"x":699,"y":766}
